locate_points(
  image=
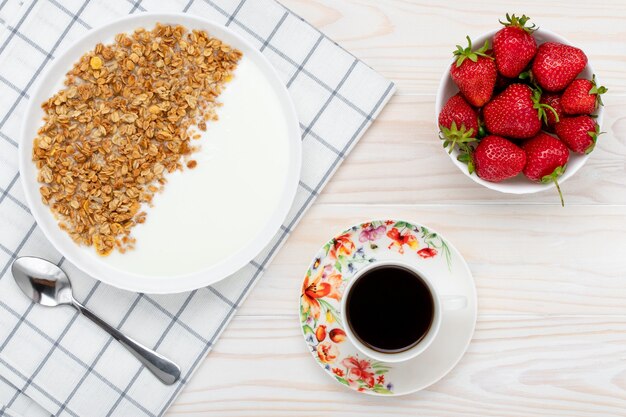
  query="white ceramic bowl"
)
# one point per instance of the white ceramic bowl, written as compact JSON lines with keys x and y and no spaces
{"x":518,"y":184}
{"x":85,"y":258}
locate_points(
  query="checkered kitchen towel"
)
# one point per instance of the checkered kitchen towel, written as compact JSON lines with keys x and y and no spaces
{"x":65,"y":364}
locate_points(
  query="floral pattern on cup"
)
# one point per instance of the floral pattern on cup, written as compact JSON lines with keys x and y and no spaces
{"x":323,"y":288}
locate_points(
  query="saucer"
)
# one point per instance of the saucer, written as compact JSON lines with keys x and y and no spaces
{"x":336,"y":264}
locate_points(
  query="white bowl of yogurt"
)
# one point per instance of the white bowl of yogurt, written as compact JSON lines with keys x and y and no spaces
{"x":208,"y":222}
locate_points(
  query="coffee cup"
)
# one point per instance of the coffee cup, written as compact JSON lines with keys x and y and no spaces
{"x":393,"y":311}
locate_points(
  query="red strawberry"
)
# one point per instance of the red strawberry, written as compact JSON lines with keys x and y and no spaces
{"x":514,"y":46}
{"x":474,"y":72}
{"x":556,"y":65}
{"x":503,"y":82}
{"x":553,"y":100}
{"x":582,"y":96}
{"x":579,"y":133}
{"x":515,"y":113}
{"x":546,"y":157}
{"x":458,"y":122}
{"x":458,"y":111}
{"x":497,"y":159}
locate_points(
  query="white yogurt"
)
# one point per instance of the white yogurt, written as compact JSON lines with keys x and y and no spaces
{"x":206,"y":214}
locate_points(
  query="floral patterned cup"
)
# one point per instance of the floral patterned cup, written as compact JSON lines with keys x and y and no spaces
{"x":440,"y":302}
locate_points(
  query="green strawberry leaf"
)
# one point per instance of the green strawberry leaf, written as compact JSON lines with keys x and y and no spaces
{"x":594,"y":136}
{"x":466,"y":155}
{"x":598,"y":91}
{"x":482,"y":131}
{"x":464,"y":53}
{"x":456,"y":136}
{"x":519,"y":22}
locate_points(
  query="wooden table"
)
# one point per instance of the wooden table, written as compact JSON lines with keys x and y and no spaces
{"x":551,"y":332}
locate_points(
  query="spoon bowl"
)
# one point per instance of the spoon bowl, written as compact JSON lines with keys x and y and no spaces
{"x":42,"y":281}
{"x":46,"y":284}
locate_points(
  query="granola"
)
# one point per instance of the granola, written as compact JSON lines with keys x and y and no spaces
{"x":124,"y":119}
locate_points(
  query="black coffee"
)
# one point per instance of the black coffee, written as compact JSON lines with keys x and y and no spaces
{"x":390,"y":309}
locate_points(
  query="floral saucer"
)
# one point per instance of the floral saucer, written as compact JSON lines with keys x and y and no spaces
{"x":336,"y":264}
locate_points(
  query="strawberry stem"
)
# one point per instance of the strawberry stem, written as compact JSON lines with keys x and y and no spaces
{"x":519,"y":22}
{"x":465,"y":53}
{"x":553,"y":177}
{"x":542,"y":107}
{"x":558,"y":188}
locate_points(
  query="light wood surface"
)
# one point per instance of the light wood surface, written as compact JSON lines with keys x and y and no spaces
{"x":551,"y":332}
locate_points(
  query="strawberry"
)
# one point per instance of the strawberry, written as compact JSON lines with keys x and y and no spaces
{"x":496,"y":159}
{"x":458,"y":123}
{"x":516,"y":112}
{"x":458,"y":111}
{"x":474,"y":72}
{"x":582,"y":97}
{"x":502,"y":83}
{"x":514,"y":46}
{"x":546,"y":158}
{"x":556,"y":65}
{"x":579,"y":133}
{"x":553,"y":100}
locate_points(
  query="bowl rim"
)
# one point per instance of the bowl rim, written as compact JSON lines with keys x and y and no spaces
{"x":528,"y":187}
{"x":131,"y":281}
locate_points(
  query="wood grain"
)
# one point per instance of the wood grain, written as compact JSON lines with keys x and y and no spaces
{"x":515,"y":367}
{"x":411,"y":42}
{"x":525,"y":259}
{"x":551,"y":332}
{"x":400,"y":160}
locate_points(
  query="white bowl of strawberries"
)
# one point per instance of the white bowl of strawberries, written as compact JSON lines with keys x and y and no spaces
{"x":519,"y":109}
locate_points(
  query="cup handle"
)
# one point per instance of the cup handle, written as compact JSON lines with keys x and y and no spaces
{"x":453,"y":302}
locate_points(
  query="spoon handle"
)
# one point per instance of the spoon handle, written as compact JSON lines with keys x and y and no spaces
{"x":164,"y":369}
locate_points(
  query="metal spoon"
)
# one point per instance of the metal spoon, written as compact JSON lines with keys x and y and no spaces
{"x":47,"y":284}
